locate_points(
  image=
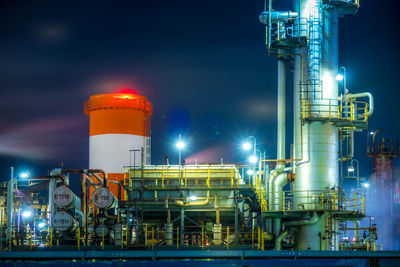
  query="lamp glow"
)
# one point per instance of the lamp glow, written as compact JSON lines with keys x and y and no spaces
{"x":193,"y":198}
{"x":246,"y":146}
{"x":26,"y":214}
{"x":350,"y":169}
{"x":24,"y":175}
{"x":41,"y":225}
{"x":339,"y":77}
{"x":366,"y":185}
{"x":250,"y":172}
{"x":253,"y":159}
{"x":180,"y":145}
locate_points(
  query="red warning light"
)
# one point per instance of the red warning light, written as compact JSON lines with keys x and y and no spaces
{"x":127,"y":90}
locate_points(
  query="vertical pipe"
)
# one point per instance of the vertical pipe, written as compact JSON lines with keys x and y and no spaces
{"x":145,"y":235}
{"x":1,"y":228}
{"x":182,"y":226}
{"x":236,"y":223}
{"x":356,"y":231}
{"x":177,"y":238}
{"x":281,"y":107}
{"x":102,"y":238}
{"x":252,"y":237}
{"x":227,"y":237}
{"x":10,"y":203}
{"x":78,"y":239}
{"x":277,"y":190}
{"x":152,"y":238}
{"x":202,"y":236}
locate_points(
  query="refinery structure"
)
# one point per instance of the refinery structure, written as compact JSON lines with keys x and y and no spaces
{"x":293,"y":202}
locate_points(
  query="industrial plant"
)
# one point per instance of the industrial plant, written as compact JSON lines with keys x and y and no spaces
{"x":294,"y":203}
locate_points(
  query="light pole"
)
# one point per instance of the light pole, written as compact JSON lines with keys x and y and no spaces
{"x":342,"y":77}
{"x":180,"y":145}
{"x":351,"y":169}
{"x":247,"y":146}
{"x":259,"y":171}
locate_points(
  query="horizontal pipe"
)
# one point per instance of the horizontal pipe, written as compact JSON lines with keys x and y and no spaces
{"x":194,"y":203}
{"x":312,"y":220}
{"x":370,"y":104}
{"x":48,"y":177}
{"x":277,"y":16}
{"x":87,"y":171}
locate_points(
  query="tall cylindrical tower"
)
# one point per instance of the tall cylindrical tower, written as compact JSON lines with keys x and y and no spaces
{"x":119,"y":133}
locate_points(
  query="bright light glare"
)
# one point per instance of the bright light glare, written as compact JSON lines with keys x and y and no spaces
{"x":253,"y":159}
{"x":250,"y":172}
{"x":371,"y":133}
{"x":26,"y":214}
{"x":246,"y":146}
{"x":366,"y":185}
{"x":180,"y":145}
{"x":351,"y":169}
{"x":24,"y":175}
{"x":193,"y":198}
{"x":41,"y":225}
{"x":339,"y":77}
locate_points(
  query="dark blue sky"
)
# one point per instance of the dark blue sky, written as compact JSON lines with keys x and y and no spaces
{"x":203,"y":64}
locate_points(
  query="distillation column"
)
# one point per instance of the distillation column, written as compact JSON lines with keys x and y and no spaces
{"x":318,"y":169}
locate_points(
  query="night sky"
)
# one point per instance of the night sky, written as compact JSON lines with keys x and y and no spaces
{"x":203,"y":64}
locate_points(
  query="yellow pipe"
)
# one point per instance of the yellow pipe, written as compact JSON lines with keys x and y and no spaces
{"x":185,"y":177}
{"x":231,"y":178}
{"x":162,"y":178}
{"x":252,"y":237}
{"x":30,"y":240}
{"x":145,"y":235}
{"x":363,"y":204}
{"x":334,"y":200}
{"x":79,"y":238}
{"x":208,"y":177}
{"x":152,"y":237}
{"x":366,"y":112}
{"x":355,"y":199}
{"x":194,"y":203}
{"x":262,"y":240}
{"x":177,"y":238}
{"x":51,"y":237}
{"x":283,"y":200}
{"x":227,"y":237}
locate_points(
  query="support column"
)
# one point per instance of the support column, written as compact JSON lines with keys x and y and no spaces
{"x":236,"y":221}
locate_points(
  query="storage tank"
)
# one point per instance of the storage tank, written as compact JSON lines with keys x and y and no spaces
{"x":119,"y":133}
